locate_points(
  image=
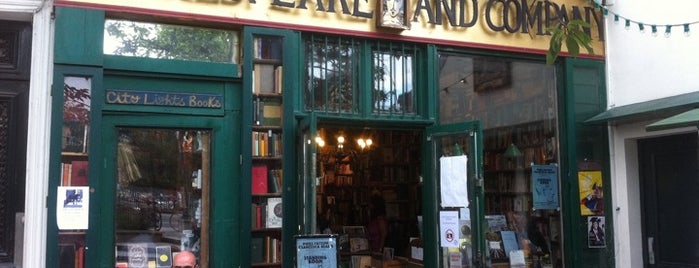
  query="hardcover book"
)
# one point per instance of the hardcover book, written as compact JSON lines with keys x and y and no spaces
{"x":274,"y":212}
{"x":258,"y":250}
{"x":75,"y":137}
{"x":275,"y":181}
{"x":79,"y":173}
{"x":272,"y":113}
{"x":264,"y":78}
{"x":259,"y":179}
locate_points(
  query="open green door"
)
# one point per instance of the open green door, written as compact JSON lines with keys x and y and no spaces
{"x":307,"y":132}
{"x":453,"y":203}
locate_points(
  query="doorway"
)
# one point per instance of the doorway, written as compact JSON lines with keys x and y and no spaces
{"x":668,"y":195}
{"x":157,"y":192}
{"x":369,"y":189}
{"x":14,"y":99}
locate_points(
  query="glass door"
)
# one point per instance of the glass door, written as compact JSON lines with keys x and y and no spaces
{"x":452,"y":225}
{"x":155,"y":190}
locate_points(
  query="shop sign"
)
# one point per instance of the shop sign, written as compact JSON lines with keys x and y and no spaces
{"x":501,"y":24}
{"x":154,"y":98}
{"x":512,"y":16}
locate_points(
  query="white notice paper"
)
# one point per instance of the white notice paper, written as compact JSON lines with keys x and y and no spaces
{"x":72,"y":207}
{"x":453,"y":180}
{"x":449,"y":228}
{"x":517,"y":258}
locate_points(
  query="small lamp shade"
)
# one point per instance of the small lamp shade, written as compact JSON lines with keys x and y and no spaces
{"x":512,"y":151}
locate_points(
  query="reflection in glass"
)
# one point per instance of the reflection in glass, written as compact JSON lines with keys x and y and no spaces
{"x":393,"y":83}
{"x":162,"y":193}
{"x":497,"y":92}
{"x":76,"y":113}
{"x":165,"y":41}
{"x":332,"y":74}
{"x":515,"y":101}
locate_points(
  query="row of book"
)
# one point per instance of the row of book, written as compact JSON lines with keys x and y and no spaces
{"x":267,"y":112}
{"x":494,"y":204}
{"x":267,"y":79}
{"x":509,"y":183}
{"x":267,"y":48}
{"x":266,"y":144}
{"x":265,"y":180}
{"x":71,"y":255}
{"x":74,"y":173}
{"x":266,"y":249}
{"x":267,"y":214}
{"x":75,"y":137}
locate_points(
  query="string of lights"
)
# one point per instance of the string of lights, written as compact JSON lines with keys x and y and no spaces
{"x":643,"y":26}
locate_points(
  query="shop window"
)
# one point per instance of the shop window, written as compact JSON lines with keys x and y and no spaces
{"x":162,"y":195}
{"x":393,"y":81}
{"x":515,"y":101}
{"x":338,"y":81}
{"x":73,"y":184}
{"x":496,"y":91}
{"x":167,"y":41}
{"x":332,"y":66}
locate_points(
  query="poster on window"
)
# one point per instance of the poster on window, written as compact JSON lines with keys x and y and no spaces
{"x":316,"y":251}
{"x":72,"y":207}
{"x":545,"y":187}
{"x":591,"y":194}
{"x":453,"y":173}
{"x":595,"y":233}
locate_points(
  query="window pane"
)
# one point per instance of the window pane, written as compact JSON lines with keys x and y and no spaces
{"x":393,"y":81}
{"x":497,"y":91}
{"x":161,"y":194}
{"x":515,"y":101}
{"x":74,"y":170}
{"x":76,"y":113}
{"x":165,"y":41}
{"x":331,"y":75}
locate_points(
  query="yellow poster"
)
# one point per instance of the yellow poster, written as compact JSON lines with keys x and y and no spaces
{"x":591,"y":194}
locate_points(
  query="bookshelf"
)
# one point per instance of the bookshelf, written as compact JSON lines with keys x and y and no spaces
{"x":266,"y":174}
{"x":390,"y":169}
{"x":510,"y":152}
{"x":507,"y":172}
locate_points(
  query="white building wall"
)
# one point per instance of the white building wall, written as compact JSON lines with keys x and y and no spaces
{"x":643,"y":67}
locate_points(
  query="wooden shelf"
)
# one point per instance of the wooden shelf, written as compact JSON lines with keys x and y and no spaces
{"x":267,"y":95}
{"x":266,"y":230}
{"x":267,"y":61}
{"x":73,"y":154}
{"x":267,"y":138}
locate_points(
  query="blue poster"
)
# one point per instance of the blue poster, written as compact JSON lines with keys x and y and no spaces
{"x":545,"y":187}
{"x":316,"y":251}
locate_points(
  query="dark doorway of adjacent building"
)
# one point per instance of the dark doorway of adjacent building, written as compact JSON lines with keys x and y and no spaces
{"x":15,"y":51}
{"x":669,"y":193}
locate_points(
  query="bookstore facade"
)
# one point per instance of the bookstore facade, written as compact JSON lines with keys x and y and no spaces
{"x":332,"y":133}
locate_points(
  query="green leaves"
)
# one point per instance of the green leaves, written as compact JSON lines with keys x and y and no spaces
{"x":574,"y":36}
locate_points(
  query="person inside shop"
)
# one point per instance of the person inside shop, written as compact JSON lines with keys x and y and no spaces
{"x":377,"y":229}
{"x":185,"y":259}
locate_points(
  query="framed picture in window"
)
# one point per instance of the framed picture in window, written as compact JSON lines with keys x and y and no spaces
{"x":392,"y":14}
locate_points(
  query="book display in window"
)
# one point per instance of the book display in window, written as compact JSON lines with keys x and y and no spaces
{"x":518,"y":159}
{"x":266,"y":140}
{"x":74,"y":165}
